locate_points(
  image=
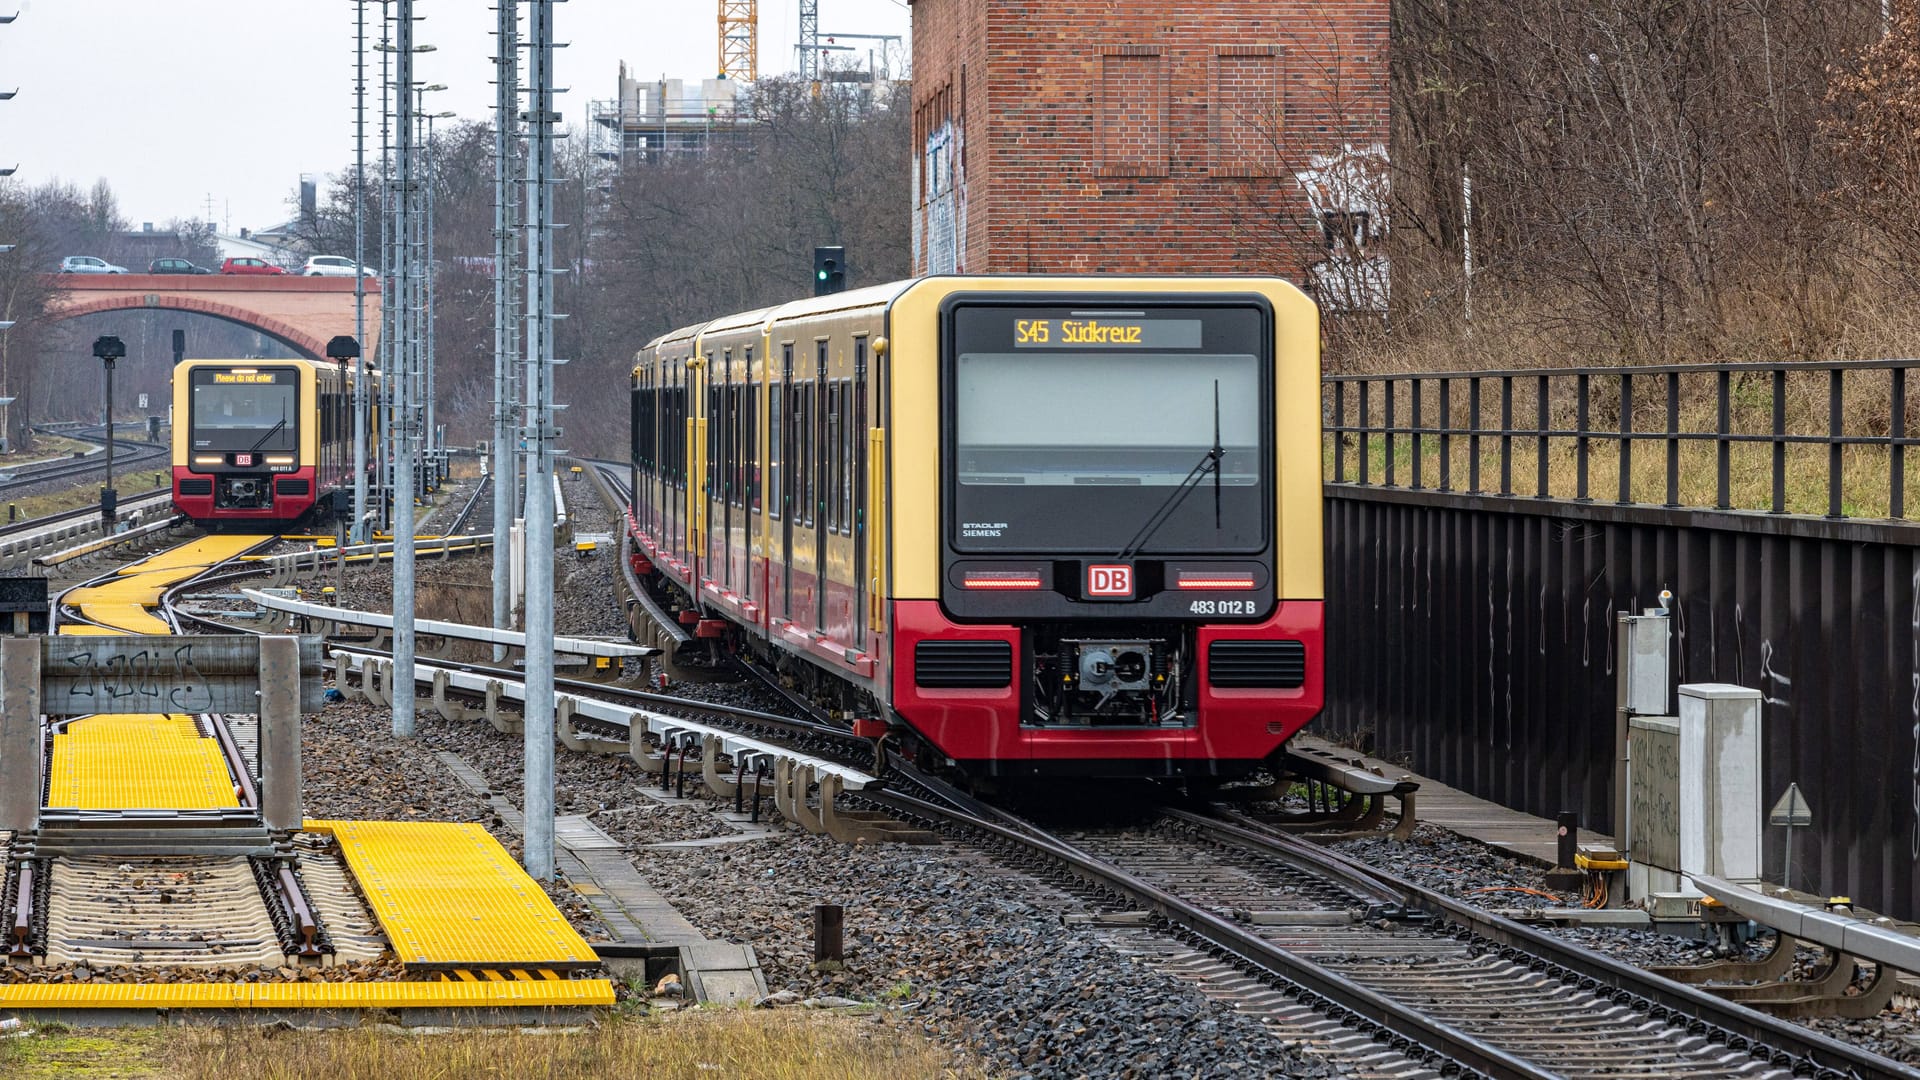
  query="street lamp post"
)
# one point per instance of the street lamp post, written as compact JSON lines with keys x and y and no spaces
{"x":344,"y":349}
{"x":436,"y":453}
{"x":109,"y":349}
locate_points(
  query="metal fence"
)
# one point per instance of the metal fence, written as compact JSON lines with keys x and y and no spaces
{"x":1471,"y":625}
{"x":1420,"y":429}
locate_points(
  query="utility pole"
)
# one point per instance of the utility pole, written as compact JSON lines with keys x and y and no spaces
{"x":388,"y":267}
{"x":537,"y":797}
{"x":506,"y":145}
{"x":359,"y":269}
{"x":403,"y":438}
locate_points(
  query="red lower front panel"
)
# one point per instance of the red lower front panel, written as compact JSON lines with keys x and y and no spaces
{"x":982,"y":729}
{"x":285,"y":506}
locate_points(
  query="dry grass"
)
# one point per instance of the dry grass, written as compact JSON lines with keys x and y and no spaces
{"x":694,"y":1045}
{"x":128,"y":484}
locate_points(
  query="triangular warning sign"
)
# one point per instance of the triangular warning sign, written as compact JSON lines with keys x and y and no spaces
{"x":1792,"y":809}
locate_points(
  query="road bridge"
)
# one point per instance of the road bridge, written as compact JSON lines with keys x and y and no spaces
{"x":302,"y":313}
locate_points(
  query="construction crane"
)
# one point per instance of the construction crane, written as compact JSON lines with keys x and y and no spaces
{"x":740,"y":40}
{"x":810,"y":42}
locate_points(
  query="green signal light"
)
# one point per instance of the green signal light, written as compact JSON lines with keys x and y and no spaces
{"x":822,"y":275}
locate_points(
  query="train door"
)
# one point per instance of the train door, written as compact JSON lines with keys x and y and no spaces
{"x":784,"y":439}
{"x":636,"y":407}
{"x":676,"y":439}
{"x":667,"y":436}
{"x":696,"y":472}
{"x":722,"y":396}
{"x":818,"y":507}
{"x":875,"y":499}
{"x":857,"y":485}
{"x":750,"y":475}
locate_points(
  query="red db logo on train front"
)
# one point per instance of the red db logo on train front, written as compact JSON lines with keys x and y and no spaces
{"x":1110,"y":581}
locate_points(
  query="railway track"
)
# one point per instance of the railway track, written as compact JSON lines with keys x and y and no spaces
{"x":1380,"y":976}
{"x":1273,"y":922}
{"x":127,"y":455}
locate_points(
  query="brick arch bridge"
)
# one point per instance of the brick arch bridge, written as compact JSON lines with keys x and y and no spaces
{"x":302,"y":313}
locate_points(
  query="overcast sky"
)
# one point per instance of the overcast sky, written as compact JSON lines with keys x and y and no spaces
{"x":177,"y":101}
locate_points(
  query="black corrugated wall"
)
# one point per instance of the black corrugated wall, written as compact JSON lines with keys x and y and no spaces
{"x":1472,"y":638}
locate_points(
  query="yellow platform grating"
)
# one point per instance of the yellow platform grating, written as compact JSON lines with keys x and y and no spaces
{"x":121,"y":761}
{"x":449,"y":895}
{"x":123,"y":602}
{"x":316,"y":995}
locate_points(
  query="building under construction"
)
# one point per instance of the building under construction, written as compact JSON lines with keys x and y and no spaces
{"x":657,"y":117}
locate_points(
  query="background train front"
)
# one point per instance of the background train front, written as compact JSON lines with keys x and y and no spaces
{"x":931,"y":503}
{"x":264,"y":441}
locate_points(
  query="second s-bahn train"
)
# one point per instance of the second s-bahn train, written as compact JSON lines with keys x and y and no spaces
{"x":1034,"y":526}
{"x":261,"y":441}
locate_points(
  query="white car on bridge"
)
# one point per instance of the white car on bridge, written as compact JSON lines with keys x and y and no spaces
{"x":87,"y":264}
{"x":332,"y":266}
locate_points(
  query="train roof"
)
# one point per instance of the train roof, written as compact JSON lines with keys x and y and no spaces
{"x":234,"y":361}
{"x":886,"y":294}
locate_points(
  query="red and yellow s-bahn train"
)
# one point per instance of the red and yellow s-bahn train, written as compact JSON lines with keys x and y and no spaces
{"x":261,"y":441}
{"x":1037,"y":526}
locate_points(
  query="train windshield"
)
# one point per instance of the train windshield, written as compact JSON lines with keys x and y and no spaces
{"x":245,"y":409}
{"x":1078,"y":432}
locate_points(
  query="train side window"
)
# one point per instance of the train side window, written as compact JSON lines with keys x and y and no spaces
{"x":833,"y":456}
{"x":676,"y":434}
{"x":803,"y":452}
{"x":776,"y":410}
{"x":714,"y":473}
{"x":650,"y":406}
{"x":822,"y":447}
{"x":740,"y":446}
{"x":640,"y":423}
{"x":753,"y":445}
{"x":733,"y":445}
{"x":859,"y":434}
{"x":843,"y":459}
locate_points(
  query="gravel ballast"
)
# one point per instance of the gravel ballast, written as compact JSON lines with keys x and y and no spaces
{"x":977,"y":952}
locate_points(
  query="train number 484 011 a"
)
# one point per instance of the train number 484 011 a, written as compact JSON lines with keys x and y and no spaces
{"x":1223,"y":607}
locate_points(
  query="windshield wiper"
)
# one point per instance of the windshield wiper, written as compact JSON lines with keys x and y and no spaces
{"x":1209,"y":463}
{"x":282,"y":422}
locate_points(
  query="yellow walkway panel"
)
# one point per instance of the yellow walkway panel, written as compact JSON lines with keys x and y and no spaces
{"x":115,"y":618}
{"x":123,"y":602}
{"x":314,"y":995}
{"x":449,"y":895}
{"x":117,"y":762}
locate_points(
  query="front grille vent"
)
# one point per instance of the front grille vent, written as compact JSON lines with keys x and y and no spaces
{"x":1257,"y":664}
{"x":963,"y":664}
{"x":196,"y":487}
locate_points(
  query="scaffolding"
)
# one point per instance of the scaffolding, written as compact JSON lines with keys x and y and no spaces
{"x":658,"y":118}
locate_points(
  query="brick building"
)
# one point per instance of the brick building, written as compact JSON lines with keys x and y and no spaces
{"x":1133,"y":136}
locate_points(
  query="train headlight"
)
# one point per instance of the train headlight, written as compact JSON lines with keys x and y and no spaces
{"x":279,"y":459}
{"x":208,"y":459}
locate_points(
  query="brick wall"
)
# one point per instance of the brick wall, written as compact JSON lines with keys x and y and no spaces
{"x":1135,"y":136}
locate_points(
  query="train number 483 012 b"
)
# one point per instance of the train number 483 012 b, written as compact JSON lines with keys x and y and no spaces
{"x":1223,"y":607}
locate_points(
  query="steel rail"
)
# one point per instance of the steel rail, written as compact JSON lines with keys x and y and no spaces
{"x":473,"y":502}
{"x":1739,"y":1027}
{"x":1346,"y":1001}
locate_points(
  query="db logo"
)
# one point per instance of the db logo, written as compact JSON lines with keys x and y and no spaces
{"x":243,"y":459}
{"x":1110,"y":581}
